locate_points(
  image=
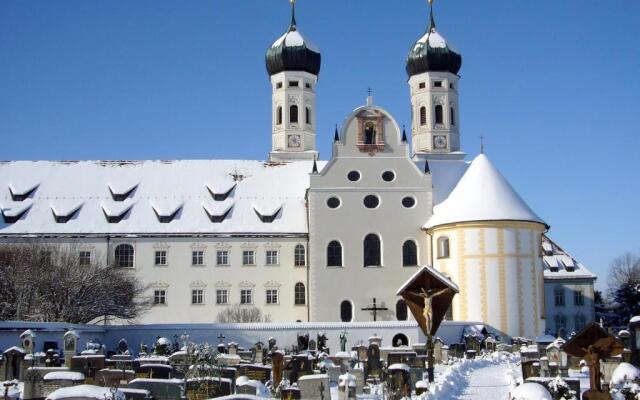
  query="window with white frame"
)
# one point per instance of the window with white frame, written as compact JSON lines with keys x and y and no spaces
{"x":197,"y":257}
{"x":299,"y":255}
{"x":443,"y":247}
{"x":271,"y":257}
{"x":197,"y":296}
{"x":84,"y":258}
{"x":558,"y":295}
{"x":161,"y":257}
{"x":160,"y":296}
{"x":578,"y":298}
{"x":248,"y":257}
{"x":300,"y":294}
{"x":222,"y":257}
{"x":272,"y":296}
{"x":246,"y":296}
{"x":222,"y":296}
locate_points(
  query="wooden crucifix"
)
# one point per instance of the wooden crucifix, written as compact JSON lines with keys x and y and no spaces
{"x":220,"y":338}
{"x":375,"y":309}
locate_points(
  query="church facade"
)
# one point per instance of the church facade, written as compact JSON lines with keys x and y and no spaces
{"x":310,"y":240}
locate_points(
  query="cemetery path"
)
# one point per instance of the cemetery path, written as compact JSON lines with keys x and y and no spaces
{"x":490,"y":382}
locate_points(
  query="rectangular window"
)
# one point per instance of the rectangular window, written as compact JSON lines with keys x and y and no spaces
{"x":279,"y":85}
{"x":222,"y":296}
{"x":272,"y":296}
{"x":299,"y":256}
{"x":272,"y":257}
{"x":197,"y":296}
{"x":578,"y":298}
{"x":437,"y":83}
{"x":248,"y":257}
{"x":307,"y":85}
{"x":294,"y":83}
{"x":246,"y":296}
{"x":559,"y":298}
{"x":159,"y":297}
{"x":422,"y":85}
{"x":222,"y":257}
{"x":161,"y":257}
{"x":84,"y":258}
{"x":197,"y":257}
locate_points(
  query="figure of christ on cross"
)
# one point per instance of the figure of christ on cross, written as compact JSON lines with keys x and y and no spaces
{"x":427,"y":310}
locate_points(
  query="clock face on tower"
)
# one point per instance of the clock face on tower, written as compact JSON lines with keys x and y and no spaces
{"x":294,"y":141}
{"x":440,"y":142}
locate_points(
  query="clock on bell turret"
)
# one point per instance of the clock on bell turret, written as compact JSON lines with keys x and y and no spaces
{"x":294,"y":141}
{"x":440,"y":142}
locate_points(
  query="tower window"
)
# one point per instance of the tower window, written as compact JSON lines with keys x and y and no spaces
{"x":294,"y":83}
{"x":279,"y":116}
{"x":422,"y":85}
{"x":279,"y":85}
{"x":370,"y":133}
{"x":453,"y":116}
{"x":437,"y":83}
{"x":307,"y":115}
{"x":334,"y":254}
{"x":307,"y":85}
{"x":423,"y":115}
{"x":293,"y":114}
{"x":299,"y":294}
{"x":346,"y":311}
{"x":401,"y":310}
{"x":443,"y":247}
{"x":439,"y":115}
{"x":409,"y":253}
{"x":371,"y":250}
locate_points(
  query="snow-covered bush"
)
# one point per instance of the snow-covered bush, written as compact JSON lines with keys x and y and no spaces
{"x":560,"y":390}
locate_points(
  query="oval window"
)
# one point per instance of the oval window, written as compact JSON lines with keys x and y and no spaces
{"x":333,"y":202}
{"x":371,"y":201}
{"x":353,"y":176}
{"x":408,"y":202}
{"x":388,"y":176}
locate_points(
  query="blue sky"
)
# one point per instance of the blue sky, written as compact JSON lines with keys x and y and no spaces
{"x":552,"y":85}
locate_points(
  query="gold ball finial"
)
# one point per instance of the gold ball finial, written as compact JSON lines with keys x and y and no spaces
{"x":294,"y":1}
{"x":429,"y":1}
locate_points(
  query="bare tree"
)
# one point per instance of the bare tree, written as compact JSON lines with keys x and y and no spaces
{"x":48,"y":283}
{"x":623,"y":270}
{"x":242,"y":313}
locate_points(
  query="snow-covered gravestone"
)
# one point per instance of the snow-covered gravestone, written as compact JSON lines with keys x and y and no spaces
{"x":374,"y":365}
{"x":28,"y":339}
{"x":347,"y":387}
{"x":634,"y":342}
{"x":437,"y":350}
{"x":315,"y":387}
{"x":233,"y":348}
{"x":258,"y":353}
{"x":70,"y":346}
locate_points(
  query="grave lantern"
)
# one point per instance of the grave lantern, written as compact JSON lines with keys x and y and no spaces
{"x":634,"y":329}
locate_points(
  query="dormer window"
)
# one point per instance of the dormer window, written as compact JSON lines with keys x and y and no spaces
{"x":217,"y":214}
{"x":267,"y":217}
{"x":115,"y":216}
{"x":166,"y":215}
{"x":220,"y":195}
{"x":13,"y":216}
{"x":121,"y":194}
{"x":62,"y":216}
{"x":17,"y":195}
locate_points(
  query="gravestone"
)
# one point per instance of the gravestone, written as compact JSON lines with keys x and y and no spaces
{"x":362,"y":352}
{"x":113,"y":377}
{"x":291,"y":393}
{"x":154,"y":371}
{"x":333,"y":371}
{"x":303,"y":342}
{"x":416,"y":375}
{"x":161,"y":389}
{"x":256,"y":372}
{"x":70,"y":346}
{"x":55,"y":380}
{"x":544,"y":367}
{"x":358,"y":373}
{"x":490,"y":344}
{"x":13,"y":363}
{"x":89,"y":365}
{"x":312,"y":345}
{"x":322,"y":342}
{"x":375,"y":339}
{"x":272,"y":344}
{"x":399,"y":381}
{"x":123,"y":347}
{"x":300,"y":365}
{"x":445,"y":354}
{"x":421,"y":348}
{"x":232,"y":348}
{"x":258,"y":353}
{"x":28,"y":339}
{"x":347,"y":387}
{"x":374,"y":364}
{"x":34,"y":385}
{"x":315,"y":387}
{"x":249,"y":386}
{"x":437,"y":350}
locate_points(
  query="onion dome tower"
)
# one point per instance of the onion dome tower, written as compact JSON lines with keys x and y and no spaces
{"x":432,"y":65}
{"x":488,"y":240}
{"x":293,"y":64}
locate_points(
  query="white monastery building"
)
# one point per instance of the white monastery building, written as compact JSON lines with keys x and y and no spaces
{"x":311,"y":240}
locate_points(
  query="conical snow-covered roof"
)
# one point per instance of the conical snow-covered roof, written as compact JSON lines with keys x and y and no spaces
{"x":482,"y":194}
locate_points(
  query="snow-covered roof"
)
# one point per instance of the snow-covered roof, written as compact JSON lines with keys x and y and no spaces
{"x":445,"y":175}
{"x":436,"y":40}
{"x":136,"y":196}
{"x":446,"y":281}
{"x":85,"y":392}
{"x":482,"y":194}
{"x":558,"y":264}
{"x":295,"y":38}
{"x":26,"y":333}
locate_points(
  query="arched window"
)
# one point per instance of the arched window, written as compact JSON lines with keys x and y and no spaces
{"x":346,"y":311}
{"x":307,"y":115}
{"x":423,"y":115}
{"x":401,"y":310}
{"x":293,"y":114}
{"x":371,"y":247}
{"x":443,"y":247}
{"x":409,"y":253}
{"x":453,"y":116}
{"x":400,"y":340}
{"x":279,"y":115}
{"x":334,"y":254}
{"x":370,"y":133}
{"x":300,"y":294}
{"x":124,"y":256}
{"x":299,"y":256}
{"x":439,"y":115}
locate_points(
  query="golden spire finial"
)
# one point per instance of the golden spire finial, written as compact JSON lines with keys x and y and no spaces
{"x":294,"y":1}
{"x":430,"y":1}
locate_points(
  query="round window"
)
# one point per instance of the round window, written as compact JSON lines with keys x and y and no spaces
{"x":333,"y":202}
{"x":371,"y":201}
{"x":353,"y":176}
{"x":388,"y":176}
{"x":408,"y":202}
